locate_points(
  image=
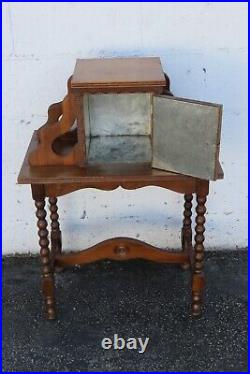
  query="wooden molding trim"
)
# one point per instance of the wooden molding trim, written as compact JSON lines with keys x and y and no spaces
{"x":63,"y":189}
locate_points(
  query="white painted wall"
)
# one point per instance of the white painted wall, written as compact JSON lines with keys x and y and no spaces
{"x":203,"y":47}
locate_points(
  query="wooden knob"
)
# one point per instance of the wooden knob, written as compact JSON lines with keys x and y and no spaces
{"x":121,"y":250}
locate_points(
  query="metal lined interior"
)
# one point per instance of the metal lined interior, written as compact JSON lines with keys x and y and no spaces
{"x":118,"y":127}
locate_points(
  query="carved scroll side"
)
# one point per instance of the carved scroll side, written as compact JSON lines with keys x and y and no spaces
{"x":61,"y":117}
{"x":54,"y":113}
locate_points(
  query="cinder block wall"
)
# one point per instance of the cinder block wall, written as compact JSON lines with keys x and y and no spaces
{"x":203,"y":47}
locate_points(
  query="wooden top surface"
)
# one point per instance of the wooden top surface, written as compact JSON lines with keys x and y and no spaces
{"x":118,"y":72}
{"x":93,"y":174}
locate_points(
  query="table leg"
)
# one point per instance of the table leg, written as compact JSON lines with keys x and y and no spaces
{"x":47,"y":271}
{"x":198,"y":274}
{"x":186,"y":232}
{"x":55,"y":236}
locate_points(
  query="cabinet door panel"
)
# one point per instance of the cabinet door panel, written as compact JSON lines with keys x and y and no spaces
{"x":186,"y":136}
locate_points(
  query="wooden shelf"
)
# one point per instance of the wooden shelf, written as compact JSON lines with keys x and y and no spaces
{"x":111,"y":172}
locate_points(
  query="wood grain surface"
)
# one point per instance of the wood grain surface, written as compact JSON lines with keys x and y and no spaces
{"x":118,"y":72}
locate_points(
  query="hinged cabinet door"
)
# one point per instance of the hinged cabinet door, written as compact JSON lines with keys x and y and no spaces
{"x":186,"y":136}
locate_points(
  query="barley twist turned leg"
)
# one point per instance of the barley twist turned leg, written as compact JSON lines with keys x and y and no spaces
{"x":186,"y":233}
{"x":47,"y":273}
{"x":198,"y":275}
{"x":56,"y":239}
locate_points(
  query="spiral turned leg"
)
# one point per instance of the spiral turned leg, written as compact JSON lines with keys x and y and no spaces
{"x":198,"y":275}
{"x":186,"y":233}
{"x":47,"y":273}
{"x":56,"y":236}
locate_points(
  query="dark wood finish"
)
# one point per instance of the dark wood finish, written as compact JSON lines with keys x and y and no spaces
{"x":186,"y":233}
{"x":55,"y":235}
{"x":47,"y":270}
{"x":198,"y":261}
{"x":118,"y":74}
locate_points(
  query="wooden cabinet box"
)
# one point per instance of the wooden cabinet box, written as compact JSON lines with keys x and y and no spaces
{"x":121,"y":111}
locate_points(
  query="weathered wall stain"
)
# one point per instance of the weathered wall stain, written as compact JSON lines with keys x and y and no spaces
{"x":83,"y":216}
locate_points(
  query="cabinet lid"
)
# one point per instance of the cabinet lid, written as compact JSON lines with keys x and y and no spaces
{"x":118,"y":74}
{"x":186,"y":137}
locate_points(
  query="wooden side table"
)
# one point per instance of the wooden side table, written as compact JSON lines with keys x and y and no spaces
{"x":119,"y":125}
{"x":54,"y":181}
